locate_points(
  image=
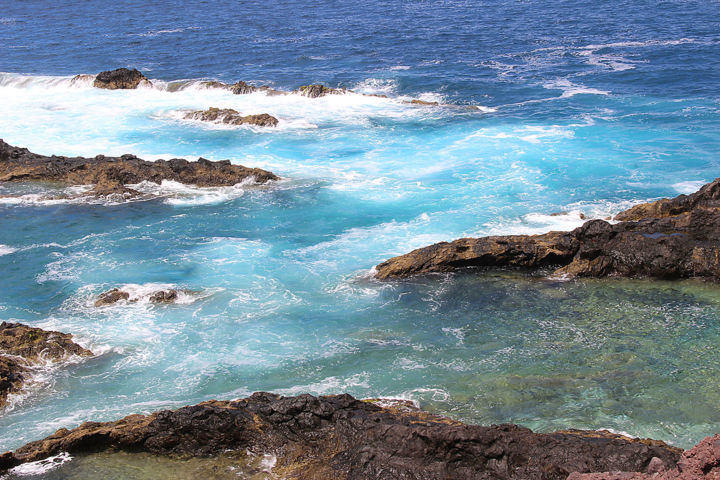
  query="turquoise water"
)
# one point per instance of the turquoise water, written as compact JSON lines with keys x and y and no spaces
{"x":587,"y":117}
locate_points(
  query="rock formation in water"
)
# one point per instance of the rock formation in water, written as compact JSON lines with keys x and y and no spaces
{"x":675,"y":238}
{"x":317,"y":90}
{"x":116,"y":295}
{"x":22,"y":347}
{"x":702,"y":462}
{"x":120,"y":79}
{"x":110,"y":175}
{"x":339,"y":437}
{"x":229,"y":116}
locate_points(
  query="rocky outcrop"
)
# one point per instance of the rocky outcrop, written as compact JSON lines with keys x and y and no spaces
{"x":707,"y":197}
{"x":317,"y":90}
{"x":682,"y":241}
{"x":344,"y":438}
{"x":242,"y":88}
{"x":702,"y":462}
{"x":229,"y":116}
{"x":421,"y":102}
{"x":22,"y":346}
{"x":110,"y":175}
{"x":116,"y":295}
{"x":120,"y":79}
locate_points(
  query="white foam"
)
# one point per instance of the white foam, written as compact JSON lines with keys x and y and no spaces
{"x":5,"y":250}
{"x":570,"y":89}
{"x":41,"y":467}
{"x":179,"y":194}
{"x":688,"y":187}
{"x":400,"y":67}
{"x":141,"y":293}
{"x":329,"y":385}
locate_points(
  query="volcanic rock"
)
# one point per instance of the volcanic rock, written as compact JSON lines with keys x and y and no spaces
{"x":682,"y":241}
{"x":232,"y":117}
{"x":120,"y":79}
{"x":702,"y":462}
{"x":421,"y":102}
{"x":22,"y":346}
{"x":164,"y":296}
{"x":344,"y":438}
{"x":111,"y":296}
{"x":110,"y":175}
{"x":317,"y":90}
{"x":242,"y":88}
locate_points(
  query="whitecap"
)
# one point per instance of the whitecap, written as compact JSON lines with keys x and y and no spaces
{"x":688,"y":187}
{"x":5,"y":250}
{"x":41,"y":467}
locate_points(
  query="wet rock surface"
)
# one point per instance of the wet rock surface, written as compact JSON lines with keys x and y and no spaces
{"x":110,"y":175}
{"x":676,"y":238}
{"x":344,"y":438}
{"x":22,"y":346}
{"x":702,"y":462}
{"x":229,"y":116}
{"x":317,"y":90}
{"x":120,"y":79}
{"x":116,"y":295}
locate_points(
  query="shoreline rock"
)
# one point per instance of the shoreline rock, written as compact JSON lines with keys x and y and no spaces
{"x":676,"y":238}
{"x":110,"y":175}
{"x":120,"y":79}
{"x":230,"y":116}
{"x":22,"y":347}
{"x":340,"y":437}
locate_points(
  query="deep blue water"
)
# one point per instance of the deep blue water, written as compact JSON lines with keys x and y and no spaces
{"x":584,"y":108}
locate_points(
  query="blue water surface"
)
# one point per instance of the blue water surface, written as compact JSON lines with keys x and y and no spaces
{"x":578,"y":108}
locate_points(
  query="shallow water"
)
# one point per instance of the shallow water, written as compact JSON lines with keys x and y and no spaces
{"x":588,"y":116}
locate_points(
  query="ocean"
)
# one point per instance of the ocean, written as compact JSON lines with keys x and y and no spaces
{"x":582,"y":110}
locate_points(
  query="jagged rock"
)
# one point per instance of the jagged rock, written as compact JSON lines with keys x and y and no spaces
{"x":111,"y":174}
{"x":82,"y":78}
{"x":340,"y":437}
{"x":121,"y":78}
{"x":242,"y":88}
{"x":708,"y":196}
{"x":22,"y":346}
{"x":215,"y":84}
{"x":164,"y":296}
{"x":702,"y":462}
{"x":684,"y":241}
{"x":116,"y":295}
{"x":111,"y":296}
{"x":317,"y":90}
{"x":232,"y":117}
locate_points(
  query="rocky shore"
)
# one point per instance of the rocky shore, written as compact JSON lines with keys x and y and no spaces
{"x":22,"y":347}
{"x":341,"y":437}
{"x":670,"y":238}
{"x":111,"y":175}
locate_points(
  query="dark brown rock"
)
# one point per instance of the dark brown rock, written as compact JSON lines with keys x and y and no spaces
{"x":232,"y":117}
{"x":344,"y":438}
{"x":702,"y":462}
{"x":111,"y":296}
{"x":708,"y":196}
{"x":120,"y":79}
{"x":22,"y":346}
{"x":164,"y":296}
{"x":683,"y":241}
{"x":242,"y":88}
{"x":317,"y":90}
{"x":111,"y":174}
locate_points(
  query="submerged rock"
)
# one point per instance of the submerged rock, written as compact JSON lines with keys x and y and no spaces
{"x":421,"y":102}
{"x":682,"y":241}
{"x":22,"y":346}
{"x":110,"y":175}
{"x":120,"y":79}
{"x":344,"y":438}
{"x":232,"y":117}
{"x":164,"y":296}
{"x":702,"y":462}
